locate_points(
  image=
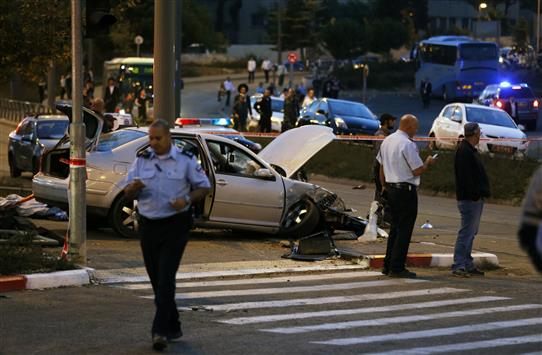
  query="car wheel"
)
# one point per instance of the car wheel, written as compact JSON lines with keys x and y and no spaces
{"x":301,"y":219}
{"x":122,"y":217}
{"x":13,"y":170}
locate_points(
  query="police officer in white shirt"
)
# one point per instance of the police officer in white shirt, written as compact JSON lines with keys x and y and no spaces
{"x":166,"y":181}
{"x":400,"y":170}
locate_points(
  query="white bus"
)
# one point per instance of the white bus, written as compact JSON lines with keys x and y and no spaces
{"x":457,"y":67}
{"x":132,"y":73}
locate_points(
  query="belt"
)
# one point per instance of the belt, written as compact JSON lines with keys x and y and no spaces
{"x":402,"y":186}
{"x":162,"y":220}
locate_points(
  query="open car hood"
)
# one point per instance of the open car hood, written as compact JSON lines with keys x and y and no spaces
{"x":93,"y":125}
{"x":293,"y":148}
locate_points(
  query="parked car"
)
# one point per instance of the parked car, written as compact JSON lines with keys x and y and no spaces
{"x":249,"y":192}
{"x":33,"y":135}
{"x":345,"y":117}
{"x":494,"y":123}
{"x":277,"y":106}
{"x":517,"y":100}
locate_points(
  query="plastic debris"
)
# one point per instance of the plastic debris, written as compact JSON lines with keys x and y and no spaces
{"x":371,"y":229}
{"x":427,"y":225}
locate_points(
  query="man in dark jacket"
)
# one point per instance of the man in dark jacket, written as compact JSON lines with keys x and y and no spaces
{"x":472,"y":186}
{"x":241,"y":108}
{"x":111,"y":96}
{"x":291,"y":111}
{"x":263,"y":107}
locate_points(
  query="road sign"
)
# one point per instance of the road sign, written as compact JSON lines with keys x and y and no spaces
{"x":138,"y":40}
{"x":292,"y":57}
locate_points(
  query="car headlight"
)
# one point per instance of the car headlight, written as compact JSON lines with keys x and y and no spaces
{"x":339,"y":122}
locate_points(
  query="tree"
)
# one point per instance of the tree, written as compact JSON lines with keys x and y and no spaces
{"x":345,"y":39}
{"x":387,"y":34}
{"x":521,"y":33}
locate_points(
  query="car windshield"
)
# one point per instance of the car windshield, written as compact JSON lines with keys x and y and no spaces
{"x":519,"y":93}
{"x":490,"y":117}
{"x":478,"y":52}
{"x":52,"y":129}
{"x":110,"y":141}
{"x":351,"y":109}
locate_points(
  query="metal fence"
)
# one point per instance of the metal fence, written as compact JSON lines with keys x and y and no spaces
{"x":15,"y":111}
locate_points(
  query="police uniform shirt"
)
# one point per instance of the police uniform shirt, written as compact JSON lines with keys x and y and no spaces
{"x":166,"y":178}
{"x":399,"y":156}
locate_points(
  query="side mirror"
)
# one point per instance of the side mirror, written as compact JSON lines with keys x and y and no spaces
{"x":521,"y":127}
{"x":265,"y":174}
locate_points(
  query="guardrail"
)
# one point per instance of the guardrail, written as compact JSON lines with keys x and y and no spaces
{"x":15,"y":111}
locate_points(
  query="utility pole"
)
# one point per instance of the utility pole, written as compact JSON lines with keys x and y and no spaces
{"x":78,"y":172}
{"x":164,"y":60}
{"x":538,"y":28}
{"x":178,"y":51}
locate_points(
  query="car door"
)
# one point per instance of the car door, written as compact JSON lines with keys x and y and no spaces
{"x":240,"y":197}
{"x":455,"y":128}
{"x":441,"y":127}
{"x":307,"y":114}
{"x":24,"y":153}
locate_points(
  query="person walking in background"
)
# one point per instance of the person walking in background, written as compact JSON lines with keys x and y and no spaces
{"x":141,"y":103}
{"x":228,"y":87}
{"x":241,"y":108}
{"x":291,"y":111}
{"x":166,"y":182}
{"x":400,"y":170}
{"x":62,"y":86}
{"x":263,"y":107}
{"x":221,"y":92}
{"x":251,"y":67}
{"x":281,"y":72}
{"x":260,"y":89}
{"x":128,"y":102}
{"x":472,"y":186}
{"x":309,"y":98}
{"x":69,"y":85}
{"x":111,"y":95}
{"x":266,"y":67}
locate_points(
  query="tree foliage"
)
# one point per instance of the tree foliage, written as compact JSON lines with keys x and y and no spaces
{"x":345,"y":39}
{"x":34,"y":33}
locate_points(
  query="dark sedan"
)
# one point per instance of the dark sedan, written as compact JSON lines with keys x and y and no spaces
{"x":31,"y":137}
{"x":345,"y":117}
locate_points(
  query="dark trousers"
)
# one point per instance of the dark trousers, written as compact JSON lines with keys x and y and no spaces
{"x":228,"y":96}
{"x":251,"y":76}
{"x":404,"y":210}
{"x":265,"y":124}
{"x":162,"y":243}
{"x":266,"y":72}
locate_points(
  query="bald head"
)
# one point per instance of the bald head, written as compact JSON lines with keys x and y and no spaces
{"x":409,"y":125}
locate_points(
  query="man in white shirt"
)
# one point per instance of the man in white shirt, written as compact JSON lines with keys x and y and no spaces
{"x":228,"y":87}
{"x":251,"y":67}
{"x":266,"y":67}
{"x":401,"y":167}
{"x":309,"y":98}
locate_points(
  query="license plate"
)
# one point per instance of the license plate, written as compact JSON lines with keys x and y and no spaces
{"x":502,"y":149}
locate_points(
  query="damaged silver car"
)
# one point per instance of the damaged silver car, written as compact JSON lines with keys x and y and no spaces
{"x":253,"y":192}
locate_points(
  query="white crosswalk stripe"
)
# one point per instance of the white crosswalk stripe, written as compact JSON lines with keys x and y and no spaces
{"x":471,"y":328}
{"x":484,"y":344}
{"x":299,"y":302}
{"x":402,"y":319}
{"x":339,"y":312}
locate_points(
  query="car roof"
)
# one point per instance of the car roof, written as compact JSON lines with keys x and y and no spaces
{"x":186,"y":131}
{"x":482,"y":107}
{"x":50,"y":117}
{"x":342,"y":101}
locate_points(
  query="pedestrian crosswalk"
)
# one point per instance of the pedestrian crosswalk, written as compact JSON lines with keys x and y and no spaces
{"x":363,"y":312}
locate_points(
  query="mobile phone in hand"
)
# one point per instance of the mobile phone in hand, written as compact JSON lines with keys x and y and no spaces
{"x":435,"y":156}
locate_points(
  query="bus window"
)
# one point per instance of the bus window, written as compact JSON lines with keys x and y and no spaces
{"x":478,"y":51}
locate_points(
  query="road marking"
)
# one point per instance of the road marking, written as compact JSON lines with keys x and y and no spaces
{"x":295,"y":289}
{"x":106,"y":279}
{"x":298,"y":278}
{"x":434,"y":332}
{"x":397,"y":320}
{"x":326,"y":300}
{"x":484,"y":344}
{"x":341,"y":312}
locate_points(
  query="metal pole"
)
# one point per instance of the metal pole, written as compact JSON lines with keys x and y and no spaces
{"x":137,"y":50}
{"x":77,"y":193}
{"x":538,"y":28}
{"x":178,"y":52}
{"x":291,"y":75}
{"x":164,"y":60}
{"x":279,"y":34}
{"x":364,"y":93}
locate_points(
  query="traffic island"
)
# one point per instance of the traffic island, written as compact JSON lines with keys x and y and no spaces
{"x":79,"y":277}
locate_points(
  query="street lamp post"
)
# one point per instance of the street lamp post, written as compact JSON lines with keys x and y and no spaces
{"x":481,"y":7}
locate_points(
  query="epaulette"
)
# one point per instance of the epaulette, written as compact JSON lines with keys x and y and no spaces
{"x":145,"y":154}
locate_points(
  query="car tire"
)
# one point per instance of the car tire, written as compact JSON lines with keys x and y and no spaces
{"x":122,"y":217}
{"x":301,"y":219}
{"x":13,"y":170}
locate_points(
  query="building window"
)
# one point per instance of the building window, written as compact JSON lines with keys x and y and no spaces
{"x":465,"y":22}
{"x":257,"y":20}
{"x":452,"y":22}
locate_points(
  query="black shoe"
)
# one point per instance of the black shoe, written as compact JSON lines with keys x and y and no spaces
{"x":460,"y":273}
{"x":476,"y":272}
{"x":405,"y":274}
{"x":175,"y":337}
{"x":159,"y":342}
{"x":385,"y":271}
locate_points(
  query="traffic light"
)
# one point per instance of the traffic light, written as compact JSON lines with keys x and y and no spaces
{"x":98,"y":18}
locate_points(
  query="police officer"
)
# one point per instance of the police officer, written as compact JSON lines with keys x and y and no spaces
{"x":166,"y":181}
{"x":401,"y":167}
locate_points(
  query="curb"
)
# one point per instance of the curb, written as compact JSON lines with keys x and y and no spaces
{"x":78,"y":277}
{"x":445,"y":260}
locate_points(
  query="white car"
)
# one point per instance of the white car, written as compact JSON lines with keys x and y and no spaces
{"x":249,"y":191}
{"x":277,"y":106}
{"x":495,"y":124}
